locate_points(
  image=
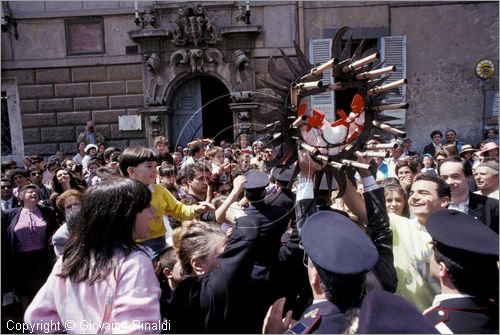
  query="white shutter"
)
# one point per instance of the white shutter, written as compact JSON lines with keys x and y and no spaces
{"x":494,"y":108}
{"x":393,"y":52}
{"x":319,"y":53}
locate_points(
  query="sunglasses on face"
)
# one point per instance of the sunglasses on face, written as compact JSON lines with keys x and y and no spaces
{"x":6,"y":187}
{"x":34,"y":174}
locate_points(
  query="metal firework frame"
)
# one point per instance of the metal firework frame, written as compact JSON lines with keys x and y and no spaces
{"x":357,"y":80}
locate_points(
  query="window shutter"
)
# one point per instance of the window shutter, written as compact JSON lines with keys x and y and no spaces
{"x":319,"y":53}
{"x":393,"y":52}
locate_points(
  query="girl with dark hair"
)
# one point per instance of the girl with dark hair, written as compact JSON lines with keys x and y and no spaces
{"x":104,"y":278}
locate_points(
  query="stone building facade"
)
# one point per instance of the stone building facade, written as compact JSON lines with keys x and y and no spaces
{"x":194,"y":69}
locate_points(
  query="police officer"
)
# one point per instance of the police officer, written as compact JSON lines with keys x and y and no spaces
{"x":464,"y":260}
{"x":272,"y":222}
{"x":284,"y":196}
{"x":339,"y":254}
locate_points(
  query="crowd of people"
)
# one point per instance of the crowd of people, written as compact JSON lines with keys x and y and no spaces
{"x":221,"y":238}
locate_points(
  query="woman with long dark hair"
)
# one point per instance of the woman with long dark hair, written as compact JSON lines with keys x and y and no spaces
{"x":104,"y":279}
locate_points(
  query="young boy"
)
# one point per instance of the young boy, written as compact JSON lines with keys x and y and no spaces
{"x":139,"y":163}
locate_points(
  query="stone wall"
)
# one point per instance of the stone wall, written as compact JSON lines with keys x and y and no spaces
{"x":56,"y":104}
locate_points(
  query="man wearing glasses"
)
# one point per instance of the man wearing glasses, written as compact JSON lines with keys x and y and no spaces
{"x":8,"y":199}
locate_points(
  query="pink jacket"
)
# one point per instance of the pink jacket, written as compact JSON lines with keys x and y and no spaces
{"x":62,"y":305}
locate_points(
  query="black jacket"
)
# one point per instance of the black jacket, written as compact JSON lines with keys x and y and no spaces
{"x":484,"y":209}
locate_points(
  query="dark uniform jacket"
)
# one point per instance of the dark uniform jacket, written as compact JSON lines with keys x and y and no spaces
{"x":320,"y":318}
{"x":484,"y":209}
{"x":467,"y":315}
{"x":429,"y":149}
{"x":219,"y":301}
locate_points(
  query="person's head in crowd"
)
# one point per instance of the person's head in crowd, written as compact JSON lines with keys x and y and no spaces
{"x":396,"y":200}
{"x":68,"y":201}
{"x":37,"y":161}
{"x":223,"y":189}
{"x":92,"y":167}
{"x":27,"y":161}
{"x":170,"y":268}
{"x":197,"y":176}
{"x":78,"y":174}
{"x":491,"y":133}
{"x":105,"y":173}
{"x":60,"y":155}
{"x":20,"y":178}
{"x":36,"y":176}
{"x":101,"y":148}
{"x":179,"y":148}
{"x":457,"y":173}
{"x":113,"y":215}
{"x":197,"y":151}
{"x":466,"y":152}
{"x":465,"y":254}
{"x":81,"y":147}
{"x":28,"y":196}
{"x":257,"y":148}
{"x":198,"y":244}
{"x":451,"y":136}
{"x":139,"y":163}
{"x":109,"y":152}
{"x":407,"y":142}
{"x":338,"y":255}
{"x":395,"y":153}
{"x":216,"y":155}
{"x":177,"y":158}
{"x":486,"y":176}
{"x":167,"y":175}
{"x":185,"y":152}
{"x":62,"y":181}
{"x":376,"y":316}
{"x":91,"y":150}
{"x":161,"y":144}
{"x":440,"y":156}
{"x":69,"y":165}
{"x":428,"y":194}
{"x":490,"y":149}
{"x":282,"y":176}
{"x":244,"y":161}
{"x":218,"y":200}
{"x":244,"y":141}
{"x":7,"y":166}
{"x":255,"y":187}
{"x":436,"y":136}
{"x":7,"y":188}
{"x":406,"y":169}
{"x":428,"y":161}
{"x":450,"y":149}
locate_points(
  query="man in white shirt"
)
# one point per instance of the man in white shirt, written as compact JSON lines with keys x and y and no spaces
{"x":457,"y":174}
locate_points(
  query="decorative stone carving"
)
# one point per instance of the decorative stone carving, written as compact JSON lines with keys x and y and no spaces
{"x":154,"y":80}
{"x":148,"y":20}
{"x":194,"y":26}
{"x":244,"y":96}
{"x":240,"y":16}
{"x":240,"y":59}
{"x":197,"y":58}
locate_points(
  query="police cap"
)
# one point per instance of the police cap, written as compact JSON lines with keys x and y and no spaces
{"x":337,"y":245}
{"x":385,"y":313}
{"x":256,"y":179}
{"x":459,"y":236}
{"x":283,"y":175}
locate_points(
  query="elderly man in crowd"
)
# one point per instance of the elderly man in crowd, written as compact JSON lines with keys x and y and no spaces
{"x":486,"y":177}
